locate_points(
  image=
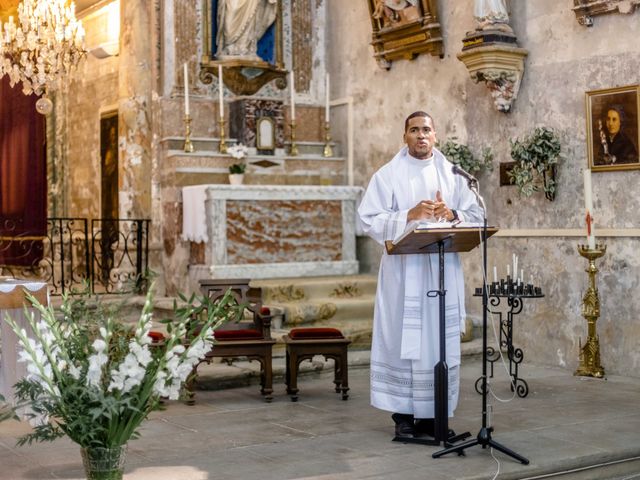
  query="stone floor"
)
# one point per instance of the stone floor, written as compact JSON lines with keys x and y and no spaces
{"x":566,"y":424}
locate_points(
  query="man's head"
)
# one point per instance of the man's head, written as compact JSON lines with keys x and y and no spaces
{"x":615,"y":118}
{"x":419,"y":134}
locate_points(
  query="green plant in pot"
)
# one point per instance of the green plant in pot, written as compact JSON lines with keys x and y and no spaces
{"x":536,"y":156}
{"x":237,"y":169}
{"x":462,"y":155}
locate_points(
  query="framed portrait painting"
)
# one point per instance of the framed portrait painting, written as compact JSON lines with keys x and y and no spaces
{"x":613,"y":135}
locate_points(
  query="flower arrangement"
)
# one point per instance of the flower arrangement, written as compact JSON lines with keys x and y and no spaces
{"x":95,"y":379}
{"x":238,"y":151}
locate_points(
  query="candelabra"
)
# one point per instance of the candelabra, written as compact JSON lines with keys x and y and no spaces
{"x":328,"y":151}
{"x":293,"y":151}
{"x":188,"y":146}
{"x":590,"y":351}
{"x":223,"y":143}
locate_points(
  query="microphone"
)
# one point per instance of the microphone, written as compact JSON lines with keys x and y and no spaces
{"x":466,"y":175}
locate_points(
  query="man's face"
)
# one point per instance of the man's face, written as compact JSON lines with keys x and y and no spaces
{"x":420,"y":137}
{"x":613,"y":122}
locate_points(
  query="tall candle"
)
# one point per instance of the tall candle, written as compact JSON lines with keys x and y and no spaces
{"x":220,"y":92}
{"x":186,"y":89}
{"x":508,"y":271}
{"x":588,"y":205}
{"x":495,"y":274}
{"x":326,"y":103}
{"x":292,"y":91}
{"x":522,"y":275}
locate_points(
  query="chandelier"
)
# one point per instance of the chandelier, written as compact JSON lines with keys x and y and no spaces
{"x":42,"y":47}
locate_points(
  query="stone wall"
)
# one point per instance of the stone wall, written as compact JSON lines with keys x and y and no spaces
{"x":565,"y":60}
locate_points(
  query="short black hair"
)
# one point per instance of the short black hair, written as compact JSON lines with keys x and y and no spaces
{"x":419,"y":113}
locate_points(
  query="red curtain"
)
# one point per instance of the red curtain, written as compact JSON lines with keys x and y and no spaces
{"x":23,"y":177}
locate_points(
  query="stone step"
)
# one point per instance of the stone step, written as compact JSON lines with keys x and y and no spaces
{"x":283,"y":290}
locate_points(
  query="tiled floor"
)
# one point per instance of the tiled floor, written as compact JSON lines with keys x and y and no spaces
{"x":565,"y":423}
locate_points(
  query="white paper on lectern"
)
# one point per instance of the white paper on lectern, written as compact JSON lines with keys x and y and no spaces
{"x":426,"y":226}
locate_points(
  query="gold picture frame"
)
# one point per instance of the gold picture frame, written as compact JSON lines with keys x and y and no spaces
{"x":613,"y":134}
{"x":403,"y":29}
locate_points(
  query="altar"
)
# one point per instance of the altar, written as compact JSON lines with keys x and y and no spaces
{"x":270,"y":231}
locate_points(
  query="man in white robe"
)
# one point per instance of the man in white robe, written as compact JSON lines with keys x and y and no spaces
{"x":416,"y":185}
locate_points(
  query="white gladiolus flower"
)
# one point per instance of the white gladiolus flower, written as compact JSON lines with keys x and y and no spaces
{"x":74,"y":372}
{"x":99,"y":345}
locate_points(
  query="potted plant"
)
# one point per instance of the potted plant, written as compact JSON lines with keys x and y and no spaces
{"x":94,"y":378}
{"x":536,"y":157}
{"x":462,"y":155}
{"x":236,"y":170}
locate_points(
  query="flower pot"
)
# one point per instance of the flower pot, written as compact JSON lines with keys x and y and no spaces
{"x":104,"y":463}
{"x":236,"y":178}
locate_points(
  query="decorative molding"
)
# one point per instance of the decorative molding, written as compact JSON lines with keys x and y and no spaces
{"x":568,"y":232}
{"x":499,"y":66}
{"x":585,"y":10}
{"x":283,"y":192}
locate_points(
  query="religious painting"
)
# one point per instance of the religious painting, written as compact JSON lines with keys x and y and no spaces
{"x":403,"y":29}
{"x":612,"y":128}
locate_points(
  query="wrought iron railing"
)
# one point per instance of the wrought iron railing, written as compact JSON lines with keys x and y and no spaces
{"x":111,"y":257}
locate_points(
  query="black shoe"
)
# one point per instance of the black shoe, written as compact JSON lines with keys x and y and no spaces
{"x":425,"y":426}
{"x":404,"y":424}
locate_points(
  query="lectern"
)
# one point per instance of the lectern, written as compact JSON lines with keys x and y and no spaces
{"x":429,"y":239}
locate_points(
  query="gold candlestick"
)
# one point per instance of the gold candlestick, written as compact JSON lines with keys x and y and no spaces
{"x":188,"y":146}
{"x":293,"y":151}
{"x":223,"y":143}
{"x":328,"y":151}
{"x":590,"y":352}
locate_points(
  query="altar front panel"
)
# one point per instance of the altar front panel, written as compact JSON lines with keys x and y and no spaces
{"x":270,"y":231}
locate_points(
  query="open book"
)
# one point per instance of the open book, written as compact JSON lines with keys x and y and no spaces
{"x":422,"y":225}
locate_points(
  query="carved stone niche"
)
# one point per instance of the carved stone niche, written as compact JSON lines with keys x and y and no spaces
{"x":585,"y":10}
{"x":497,"y":61}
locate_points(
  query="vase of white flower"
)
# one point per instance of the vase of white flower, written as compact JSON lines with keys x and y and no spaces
{"x":94,"y":378}
{"x":236,"y":170}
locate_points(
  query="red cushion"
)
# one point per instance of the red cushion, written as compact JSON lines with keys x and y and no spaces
{"x":265,"y":311}
{"x":313,"y":333}
{"x":156,"y":336}
{"x":244,"y":334}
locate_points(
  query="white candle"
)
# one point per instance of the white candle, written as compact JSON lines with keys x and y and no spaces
{"x":522,"y":275}
{"x":292,"y":91}
{"x":588,"y":205}
{"x":508,"y":271}
{"x":220,"y":92}
{"x":326,"y":103}
{"x":495,"y":274}
{"x":186,"y":89}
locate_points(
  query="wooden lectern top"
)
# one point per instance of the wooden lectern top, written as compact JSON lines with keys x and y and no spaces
{"x":425,"y":240}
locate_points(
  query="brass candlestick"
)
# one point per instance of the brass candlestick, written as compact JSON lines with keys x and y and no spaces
{"x":188,"y":146}
{"x":590,"y":352}
{"x":328,"y":151}
{"x":223,"y":143}
{"x":293,"y":151}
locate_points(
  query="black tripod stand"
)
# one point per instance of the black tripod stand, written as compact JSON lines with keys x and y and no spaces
{"x":484,"y":435}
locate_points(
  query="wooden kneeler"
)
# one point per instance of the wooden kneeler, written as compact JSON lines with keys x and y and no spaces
{"x":303,"y":343}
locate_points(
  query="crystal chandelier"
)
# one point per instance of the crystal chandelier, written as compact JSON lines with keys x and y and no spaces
{"x":42,"y":47}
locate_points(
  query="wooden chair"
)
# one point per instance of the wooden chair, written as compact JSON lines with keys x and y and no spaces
{"x":250,"y":339}
{"x":304,"y":343}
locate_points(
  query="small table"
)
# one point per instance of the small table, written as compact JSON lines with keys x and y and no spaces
{"x":515,"y":296}
{"x":12,"y":303}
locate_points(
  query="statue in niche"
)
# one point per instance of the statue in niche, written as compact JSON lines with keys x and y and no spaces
{"x":241,"y":23}
{"x":396,"y":12}
{"x":492,"y":15}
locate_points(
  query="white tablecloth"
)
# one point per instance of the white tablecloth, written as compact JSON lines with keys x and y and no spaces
{"x":12,"y":301}
{"x":194,"y":221}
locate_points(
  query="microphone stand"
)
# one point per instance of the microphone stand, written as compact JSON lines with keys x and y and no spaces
{"x":484,"y":435}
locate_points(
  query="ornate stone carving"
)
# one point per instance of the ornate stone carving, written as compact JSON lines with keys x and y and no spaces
{"x":500,"y":67}
{"x":282,"y":294}
{"x":346,"y":290}
{"x":585,"y":10}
